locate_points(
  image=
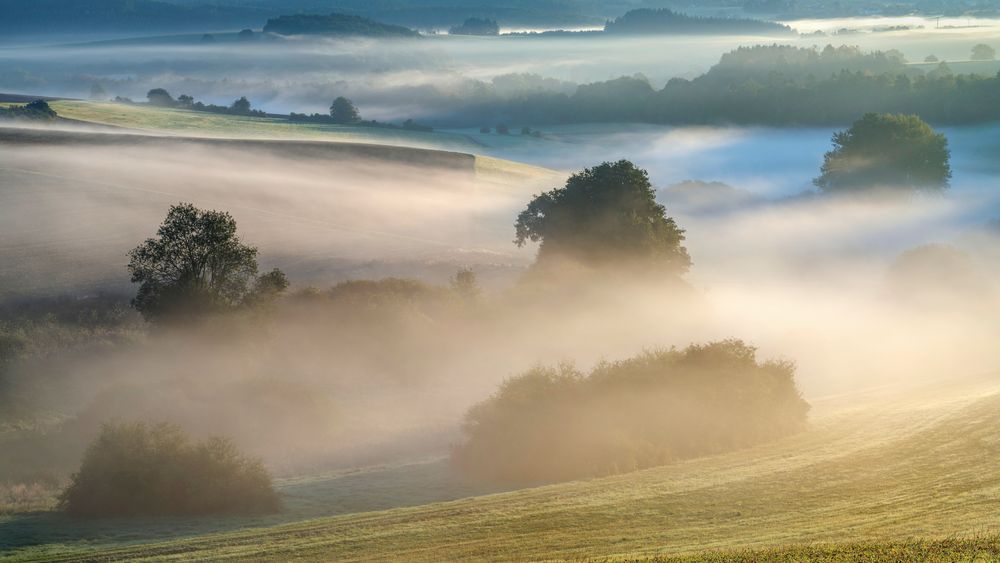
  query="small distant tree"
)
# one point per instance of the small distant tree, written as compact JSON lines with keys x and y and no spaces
{"x":502,"y":129}
{"x":196,"y":264}
{"x":931,"y":59}
{"x":983,"y":52}
{"x":344,"y":112}
{"x":268,"y":287}
{"x":246,"y":35}
{"x":208,"y":38}
{"x":485,"y":130}
{"x":185,"y":101}
{"x":604,"y":215}
{"x":886,"y":151}
{"x":40,"y":108}
{"x":160,"y":97}
{"x":465,"y":284}
{"x":240,"y":106}
{"x":526,"y":130}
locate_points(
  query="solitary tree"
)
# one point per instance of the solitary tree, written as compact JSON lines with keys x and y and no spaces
{"x":160,"y":97}
{"x":241,"y":106}
{"x":185,"y":101}
{"x":886,"y":151}
{"x":983,"y":52}
{"x":606,"y":214}
{"x":343,"y":111}
{"x":195,"y":264}
{"x":465,"y":284}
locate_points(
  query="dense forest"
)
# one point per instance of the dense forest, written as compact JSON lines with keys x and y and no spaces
{"x":646,"y":21}
{"x":774,"y":85}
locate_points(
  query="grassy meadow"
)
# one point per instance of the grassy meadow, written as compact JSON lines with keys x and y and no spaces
{"x":901,"y":478}
{"x":179,"y":121}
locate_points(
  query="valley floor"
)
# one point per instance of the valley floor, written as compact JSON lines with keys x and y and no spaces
{"x":881,"y":478}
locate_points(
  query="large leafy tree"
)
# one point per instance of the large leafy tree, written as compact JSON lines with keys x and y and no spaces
{"x":604,"y":215}
{"x":886,"y":151}
{"x":195,"y":264}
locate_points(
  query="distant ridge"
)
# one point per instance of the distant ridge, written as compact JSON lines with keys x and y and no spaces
{"x":335,"y":24}
{"x":646,"y":21}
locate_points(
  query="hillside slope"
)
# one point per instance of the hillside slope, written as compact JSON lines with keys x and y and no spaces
{"x":887,"y":471}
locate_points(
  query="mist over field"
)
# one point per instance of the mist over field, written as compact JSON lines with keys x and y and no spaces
{"x":630,"y":279}
{"x":417,"y":78}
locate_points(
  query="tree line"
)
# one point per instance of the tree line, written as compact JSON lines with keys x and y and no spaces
{"x":768,"y":85}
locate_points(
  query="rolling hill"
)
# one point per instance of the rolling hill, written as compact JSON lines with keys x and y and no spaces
{"x":877,"y":476}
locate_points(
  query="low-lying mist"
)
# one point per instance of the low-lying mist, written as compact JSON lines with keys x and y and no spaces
{"x":349,"y":375}
{"x":420,"y":78}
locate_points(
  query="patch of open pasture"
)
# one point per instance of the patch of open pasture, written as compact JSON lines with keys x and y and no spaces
{"x":206,"y":124}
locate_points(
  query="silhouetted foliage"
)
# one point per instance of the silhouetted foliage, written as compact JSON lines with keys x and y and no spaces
{"x":411,"y":125}
{"x":240,"y":106}
{"x":37,"y":110}
{"x":465,"y":284}
{"x":196,"y":264}
{"x":476,"y":26}
{"x":160,"y":97}
{"x":502,"y":129}
{"x":983,"y":52}
{"x":246,"y":35}
{"x":656,"y":21}
{"x":886,"y":151}
{"x":773,"y":85}
{"x":342,"y":111}
{"x":658,"y":407}
{"x":605,"y":215}
{"x":138,"y":469}
{"x":334,"y":24}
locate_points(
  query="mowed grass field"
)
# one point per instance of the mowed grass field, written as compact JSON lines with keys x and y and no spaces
{"x":876,"y":478}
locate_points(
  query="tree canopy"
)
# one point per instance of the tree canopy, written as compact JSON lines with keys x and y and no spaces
{"x":605,"y":214}
{"x":886,"y":151}
{"x":983,"y":52}
{"x":476,"y":26}
{"x":160,"y":97}
{"x":343,"y":111}
{"x":196,"y":264}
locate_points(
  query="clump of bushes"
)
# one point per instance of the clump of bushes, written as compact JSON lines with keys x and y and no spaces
{"x":140,"y":469}
{"x":37,"y":110}
{"x":665,"y":405}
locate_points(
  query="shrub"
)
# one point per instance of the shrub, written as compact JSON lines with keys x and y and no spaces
{"x":139,"y":469}
{"x":665,"y":405}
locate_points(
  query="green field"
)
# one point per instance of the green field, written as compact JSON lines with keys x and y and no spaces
{"x":887,"y":478}
{"x":148,"y":118}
